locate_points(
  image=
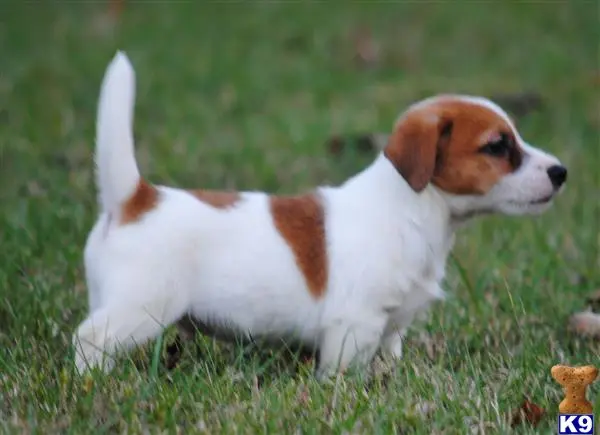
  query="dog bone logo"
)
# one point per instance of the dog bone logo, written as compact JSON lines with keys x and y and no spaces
{"x":574,"y":381}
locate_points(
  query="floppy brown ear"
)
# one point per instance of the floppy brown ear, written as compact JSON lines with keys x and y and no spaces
{"x":414,"y":145}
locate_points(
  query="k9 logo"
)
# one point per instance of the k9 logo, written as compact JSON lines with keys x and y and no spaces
{"x":575,"y":424}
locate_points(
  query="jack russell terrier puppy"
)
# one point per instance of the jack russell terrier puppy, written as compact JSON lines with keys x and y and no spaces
{"x":342,"y":270}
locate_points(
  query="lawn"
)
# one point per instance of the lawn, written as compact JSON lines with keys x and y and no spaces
{"x":245,"y":96}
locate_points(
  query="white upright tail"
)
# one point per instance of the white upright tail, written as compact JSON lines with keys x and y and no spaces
{"x":117,"y":171}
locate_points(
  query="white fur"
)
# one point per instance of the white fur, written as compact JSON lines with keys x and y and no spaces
{"x":117,"y":171}
{"x":234,"y":273}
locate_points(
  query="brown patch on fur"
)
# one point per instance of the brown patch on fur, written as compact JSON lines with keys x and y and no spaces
{"x":216,"y":198}
{"x":142,"y":201}
{"x":301,"y":222}
{"x":440,"y":143}
{"x":414,"y":146}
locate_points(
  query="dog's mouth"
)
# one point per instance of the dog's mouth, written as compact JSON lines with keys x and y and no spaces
{"x":539,"y":201}
{"x":542,"y":200}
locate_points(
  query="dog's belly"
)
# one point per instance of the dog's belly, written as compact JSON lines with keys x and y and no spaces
{"x":265,"y":327}
{"x":237,"y":297}
{"x":229,"y":332}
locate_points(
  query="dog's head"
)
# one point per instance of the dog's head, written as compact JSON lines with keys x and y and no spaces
{"x":469,"y":149}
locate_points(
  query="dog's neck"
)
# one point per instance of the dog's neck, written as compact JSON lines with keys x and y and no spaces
{"x":381,"y":186}
{"x":389,"y":181}
{"x":393,"y":208}
{"x":450,"y":211}
{"x":461,"y":208}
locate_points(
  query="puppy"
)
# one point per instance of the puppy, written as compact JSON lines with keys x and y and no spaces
{"x":340,"y":269}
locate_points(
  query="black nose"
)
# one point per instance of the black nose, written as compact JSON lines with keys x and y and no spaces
{"x":558,"y":175}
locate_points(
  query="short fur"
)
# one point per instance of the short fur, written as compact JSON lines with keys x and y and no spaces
{"x":217,"y":199}
{"x":144,"y":199}
{"x":344,"y":270}
{"x":301,"y":222}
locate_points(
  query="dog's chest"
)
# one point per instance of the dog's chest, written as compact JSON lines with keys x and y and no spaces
{"x":416,"y":269}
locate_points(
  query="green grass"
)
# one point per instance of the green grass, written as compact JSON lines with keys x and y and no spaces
{"x":245,"y":96}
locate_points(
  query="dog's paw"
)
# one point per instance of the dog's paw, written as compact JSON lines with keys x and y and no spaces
{"x":88,"y":357}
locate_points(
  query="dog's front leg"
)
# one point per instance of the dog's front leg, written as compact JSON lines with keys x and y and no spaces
{"x":350,"y":343}
{"x":393,"y":334}
{"x":392,"y":343}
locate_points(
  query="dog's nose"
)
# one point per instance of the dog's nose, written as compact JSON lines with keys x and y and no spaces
{"x":558,"y":175}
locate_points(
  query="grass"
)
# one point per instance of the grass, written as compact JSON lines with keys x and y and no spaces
{"x":244,"y":96}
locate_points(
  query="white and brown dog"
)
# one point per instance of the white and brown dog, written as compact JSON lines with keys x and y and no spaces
{"x":341,"y":269}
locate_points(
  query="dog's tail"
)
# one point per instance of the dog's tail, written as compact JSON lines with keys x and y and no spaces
{"x":117,"y":172}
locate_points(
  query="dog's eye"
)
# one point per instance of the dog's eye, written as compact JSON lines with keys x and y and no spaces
{"x":497,"y":148}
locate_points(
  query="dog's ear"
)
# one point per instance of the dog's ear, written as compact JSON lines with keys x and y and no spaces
{"x":413,"y":148}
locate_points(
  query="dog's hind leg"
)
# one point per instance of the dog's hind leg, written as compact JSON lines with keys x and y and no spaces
{"x":120,"y":327}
